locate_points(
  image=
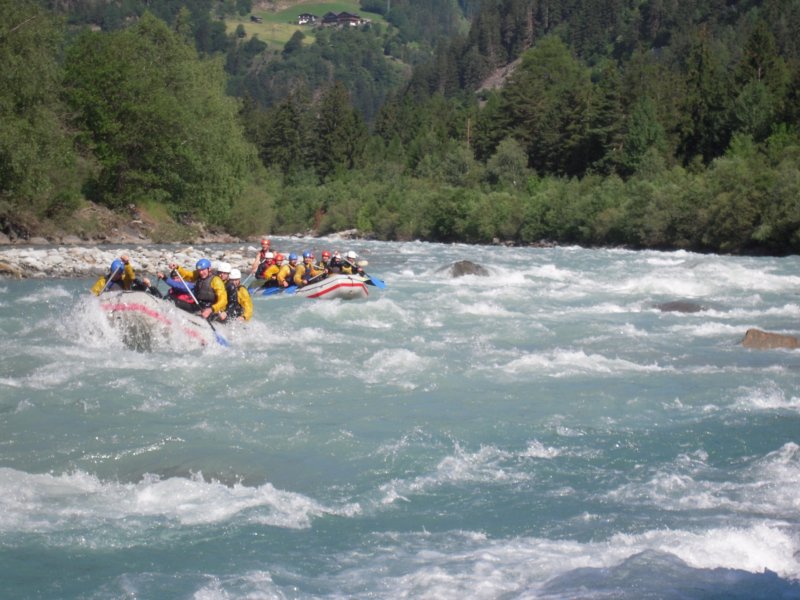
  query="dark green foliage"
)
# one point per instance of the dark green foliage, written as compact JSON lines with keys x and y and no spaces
{"x":339,"y":133}
{"x":36,"y":160}
{"x":643,"y":134}
{"x":542,"y":106}
{"x":424,"y":20}
{"x":650,"y":124}
{"x":705,"y":131}
{"x":282,"y":135}
{"x":157,"y":121}
{"x":294,"y":44}
{"x":352,"y":57}
{"x":200,"y":17}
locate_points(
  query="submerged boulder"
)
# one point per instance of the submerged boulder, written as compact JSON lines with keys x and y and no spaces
{"x":680,"y":306}
{"x":465,"y":267}
{"x":764,"y":340}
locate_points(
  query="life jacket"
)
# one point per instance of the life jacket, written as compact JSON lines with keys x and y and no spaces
{"x":290,"y":274}
{"x":234,"y":309}
{"x":263,"y":266}
{"x":271,"y":278}
{"x":204,"y":292}
{"x":335,"y":264}
{"x":309,"y":274}
{"x":179,"y":291}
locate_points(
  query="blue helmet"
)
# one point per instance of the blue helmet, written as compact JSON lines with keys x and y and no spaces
{"x":293,"y":256}
{"x":117,"y":266}
{"x":203,"y":263}
{"x":308,"y":254}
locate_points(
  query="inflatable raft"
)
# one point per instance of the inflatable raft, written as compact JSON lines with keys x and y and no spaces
{"x":146,"y":323}
{"x":344,"y":287}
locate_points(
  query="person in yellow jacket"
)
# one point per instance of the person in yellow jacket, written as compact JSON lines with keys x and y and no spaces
{"x":209,"y":290}
{"x":270,"y":274}
{"x":351,"y":265}
{"x":120,"y":276}
{"x":286,"y":274}
{"x":240,"y":305}
{"x":307,"y":271}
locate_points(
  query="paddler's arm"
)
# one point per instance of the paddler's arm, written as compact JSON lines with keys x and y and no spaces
{"x":128,"y":274}
{"x":284,"y":271}
{"x":298,"y":275}
{"x":246,"y":303}
{"x":188,"y":275}
{"x":222,"y":296}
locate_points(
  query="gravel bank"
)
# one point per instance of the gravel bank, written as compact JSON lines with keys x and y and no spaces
{"x":91,"y":262}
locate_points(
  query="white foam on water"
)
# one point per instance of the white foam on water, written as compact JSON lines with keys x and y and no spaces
{"x":769,"y":486}
{"x":46,"y":295}
{"x":551,"y":272}
{"x":752,"y":548}
{"x":536,"y":449}
{"x":415,"y":438}
{"x":397,"y":366}
{"x":566,"y":363}
{"x":488,"y":464}
{"x":154,"y":404}
{"x":668,"y":285}
{"x":768,"y":396}
{"x":463,"y":564}
{"x":786,"y":310}
{"x":58,"y":504}
{"x":665,"y":262}
{"x":707,"y":329}
{"x":480,"y":309}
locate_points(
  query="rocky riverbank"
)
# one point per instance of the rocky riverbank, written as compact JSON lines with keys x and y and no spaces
{"x":76,"y":261}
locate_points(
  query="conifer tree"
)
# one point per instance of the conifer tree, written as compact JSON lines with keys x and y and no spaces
{"x":339,"y":134}
{"x":705,"y":131}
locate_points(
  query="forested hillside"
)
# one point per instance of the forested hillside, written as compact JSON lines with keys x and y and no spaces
{"x":642,"y":123}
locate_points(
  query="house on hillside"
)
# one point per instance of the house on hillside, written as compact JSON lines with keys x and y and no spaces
{"x":342,"y":19}
{"x":306,"y":18}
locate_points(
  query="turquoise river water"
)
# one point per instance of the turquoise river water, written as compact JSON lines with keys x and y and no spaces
{"x":545,"y":432}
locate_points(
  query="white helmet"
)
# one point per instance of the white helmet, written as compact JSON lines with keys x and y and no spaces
{"x":236,"y":274}
{"x":223,"y":267}
{"x":269,"y":255}
{"x":351,"y":255}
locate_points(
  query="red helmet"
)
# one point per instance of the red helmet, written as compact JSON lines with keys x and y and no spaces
{"x":326,"y":254}
{"x":279,"y":257}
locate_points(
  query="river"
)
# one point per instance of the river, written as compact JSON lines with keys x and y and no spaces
{"x":544,"y":432}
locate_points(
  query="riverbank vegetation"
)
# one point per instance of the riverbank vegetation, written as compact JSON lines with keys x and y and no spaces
{"x":613,"y":123}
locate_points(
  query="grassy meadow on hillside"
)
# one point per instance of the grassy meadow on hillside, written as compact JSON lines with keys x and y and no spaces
{"x":278,"y":27}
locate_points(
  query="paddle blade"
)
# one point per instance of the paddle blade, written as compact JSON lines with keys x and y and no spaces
{"x":270,"y":291}
{"x":377,"y":282}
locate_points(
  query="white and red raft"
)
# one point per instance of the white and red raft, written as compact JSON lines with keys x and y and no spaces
{"x":146,"y":323}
